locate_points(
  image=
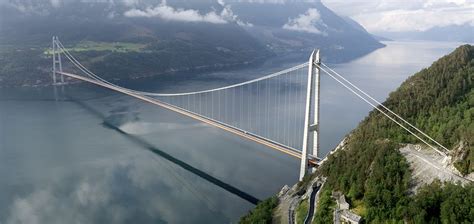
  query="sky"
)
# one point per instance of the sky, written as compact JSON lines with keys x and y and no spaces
{"x":405,"y":15}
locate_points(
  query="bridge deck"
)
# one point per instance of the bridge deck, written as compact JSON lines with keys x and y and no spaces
{"x":313,"y":161}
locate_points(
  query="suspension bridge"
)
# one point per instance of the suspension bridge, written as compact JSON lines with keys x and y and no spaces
{"x":279,"y":110}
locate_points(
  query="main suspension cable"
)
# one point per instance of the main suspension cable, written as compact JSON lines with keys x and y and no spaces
{"x":91,"y":74}
{"x":380,"y":104}
{"x":381,"y":111}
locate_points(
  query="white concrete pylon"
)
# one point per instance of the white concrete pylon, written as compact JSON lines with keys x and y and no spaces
{"x":316,"y":108}
{"x":54,"y":59}
{"x":311,"y":118}
{"x":57,"y":62}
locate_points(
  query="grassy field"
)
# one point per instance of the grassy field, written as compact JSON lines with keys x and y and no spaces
{"x":121,"y":47}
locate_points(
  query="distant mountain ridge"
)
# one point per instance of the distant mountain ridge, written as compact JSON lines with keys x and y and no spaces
{"x":176,"y":34}
{"x":456,"y":33}
{"x":302,"y":26}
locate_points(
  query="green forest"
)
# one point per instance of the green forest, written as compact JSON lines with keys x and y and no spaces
{"x":262,"y":213}
{"x":439,"y":100}
{"x":373,"y":174}
{"x":29,"y":65}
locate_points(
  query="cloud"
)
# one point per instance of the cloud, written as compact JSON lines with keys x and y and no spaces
{"x":169,"y":13}
{"x":25,"y":7}
{"x":413,"y":20}
{"x":142,"y":128}
{"x":55,"y":3}
{"x":400,"y":16}
{"x":229,"y":15}
{"x":130,"y":2}
{"x":24,"y":210}
{"x":306,"y":22}
{"x":137,"y":189}
{"x":136,"y":8}
{"x":265,"y":1}
{"x":166,"y":12}
{"x":275,"y":1}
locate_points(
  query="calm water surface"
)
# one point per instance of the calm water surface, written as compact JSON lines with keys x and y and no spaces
{"x":95,"y":156}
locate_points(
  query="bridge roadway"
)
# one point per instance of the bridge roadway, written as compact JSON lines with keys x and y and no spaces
{"x":313,"y":161}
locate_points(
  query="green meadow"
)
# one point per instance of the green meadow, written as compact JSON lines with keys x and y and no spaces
{"x":121,"y":47}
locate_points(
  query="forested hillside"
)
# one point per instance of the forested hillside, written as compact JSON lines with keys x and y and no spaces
{"x":192,"y":35}
{"x":167,"y":45}
{"x":376,"y":177}
{"x":373,"y":174}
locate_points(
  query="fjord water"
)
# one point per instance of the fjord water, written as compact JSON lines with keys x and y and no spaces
{"x":84,"y":154}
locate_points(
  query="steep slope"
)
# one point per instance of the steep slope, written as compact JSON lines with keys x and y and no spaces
{"x":372,"y":172}
{"x":293,"y":26}
{"x":376,"y":178}
{"x":168,"y":45}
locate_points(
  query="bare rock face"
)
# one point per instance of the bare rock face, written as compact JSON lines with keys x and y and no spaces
{"x":460,"y":153}
{"x":283,"y":191}
{"x":428,"y":165}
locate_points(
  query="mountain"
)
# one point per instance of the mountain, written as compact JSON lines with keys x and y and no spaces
{"x":134,"y":39}
{"x":457,"y":33}
{"x":149,"y":45}
{"x":378,"y":181}
{"x":289,"y":26}
{"x":373,"y":173}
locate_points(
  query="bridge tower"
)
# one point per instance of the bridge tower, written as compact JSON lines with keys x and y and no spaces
{"x":57,"y":63}
{"x":311,"y":118}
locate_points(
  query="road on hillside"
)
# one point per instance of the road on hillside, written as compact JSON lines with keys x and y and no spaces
{"x":312,"y":197}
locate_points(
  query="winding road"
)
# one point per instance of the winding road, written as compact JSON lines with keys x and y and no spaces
{"x":312,"y":199}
